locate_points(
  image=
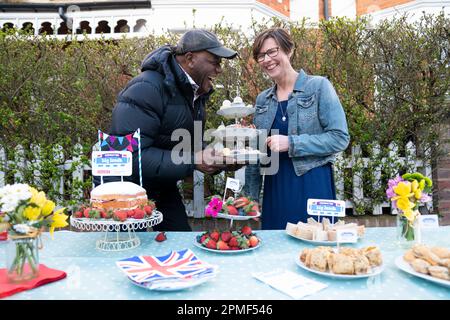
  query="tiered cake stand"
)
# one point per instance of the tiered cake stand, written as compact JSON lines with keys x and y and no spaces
{"x":114,"y":239}
{"x":236,"y":136}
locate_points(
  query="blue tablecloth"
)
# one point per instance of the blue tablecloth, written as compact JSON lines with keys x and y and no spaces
{"x":93,"y":274}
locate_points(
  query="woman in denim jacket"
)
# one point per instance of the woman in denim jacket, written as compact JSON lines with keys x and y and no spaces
{"x":311,"y":126}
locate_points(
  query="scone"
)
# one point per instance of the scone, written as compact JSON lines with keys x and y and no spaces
{"x":420,"y":265}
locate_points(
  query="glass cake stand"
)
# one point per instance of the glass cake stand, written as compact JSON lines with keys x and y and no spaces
{"x":114,"y":239}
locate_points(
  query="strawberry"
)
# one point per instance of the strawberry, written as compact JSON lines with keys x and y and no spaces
{"x":225,"y":236}
{"x":211,"y":244}
{"x":232,"y":210}
{"x":130,"y":213}
{"x":243,"y":242}
{"x":235,"y":248}
{"x":120,"y":215}
{"x":94,"y":214}
{"x":151,"y":204}
{"x":221,"y":245}
{"x":241,"y":202}
{"x":103,"y":214}
{"x":203,"y":238}
{"x":109,"y":213}
{"x":233,"y":242}
{"x":251,"y":209}
{"x":214,"y":235}
{"x":86,"y":212}
{"x":161,"y":237}
{"x":229,"y":201}
{"x":253,"y":241}
{"x":78,"y":214}
{"x":246,"y":230}
{"x":148,"y":210}
{"x":139,"y":213}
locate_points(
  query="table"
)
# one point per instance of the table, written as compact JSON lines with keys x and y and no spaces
{"x":92,"y":274}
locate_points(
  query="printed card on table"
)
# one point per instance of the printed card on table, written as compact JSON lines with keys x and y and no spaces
{"x":290,"y":283}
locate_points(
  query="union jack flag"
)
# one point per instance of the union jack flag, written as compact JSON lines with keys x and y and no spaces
{"x":177,"y":265}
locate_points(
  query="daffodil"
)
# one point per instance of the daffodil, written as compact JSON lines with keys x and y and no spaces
{"x":38,"y":197}
{"x":32,"y":213}
{"x":404,"y":204}
{"x":58,"y":220}
{"x":48,"y":207}
{"x":403,"y":189}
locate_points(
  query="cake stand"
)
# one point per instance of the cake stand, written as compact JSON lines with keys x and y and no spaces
{"x":114,"y":239}
{"x":236,"y":135}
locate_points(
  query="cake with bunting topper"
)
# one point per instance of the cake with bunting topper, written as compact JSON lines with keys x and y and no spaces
{"x":118,"y":201}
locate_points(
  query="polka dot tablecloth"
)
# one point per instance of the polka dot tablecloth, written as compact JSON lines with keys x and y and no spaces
{"x":93,"y":274}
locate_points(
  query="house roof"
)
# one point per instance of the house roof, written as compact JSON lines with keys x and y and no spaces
{"x":86,"y":5}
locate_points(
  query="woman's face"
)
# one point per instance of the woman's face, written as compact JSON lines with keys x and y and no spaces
{"x":276,"y":61}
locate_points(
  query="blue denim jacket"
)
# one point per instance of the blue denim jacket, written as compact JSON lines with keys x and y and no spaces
{"x":317,"y":126}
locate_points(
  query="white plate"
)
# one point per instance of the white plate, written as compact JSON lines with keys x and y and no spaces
{"x":226,"y":251}
{"x":231,"y":133}
{"x":237,"y":217}
{"x":236,"y":112}
{"x":247,"y":156}
{"x":323,"y":243}
{"x":375,"y":271}
{"x":181,"y":286}
{"x":403,"y":265}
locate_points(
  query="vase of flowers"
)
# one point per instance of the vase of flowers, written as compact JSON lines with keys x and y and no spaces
{"x":407,"y":193}
{"x":27,"y":212}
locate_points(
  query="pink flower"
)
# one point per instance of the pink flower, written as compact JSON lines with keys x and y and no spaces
{"x":391,"y":184}
{"x":425,"y":197}
{"x":214,"y":207}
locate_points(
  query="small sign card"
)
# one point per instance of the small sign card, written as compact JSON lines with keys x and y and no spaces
{"x":233,"y":184}
{"x":112,"y":163}
{"x":290,"y":283}
{"x":429,"y":221}
{"x":347,"y":236}
{"x":327,"y":208}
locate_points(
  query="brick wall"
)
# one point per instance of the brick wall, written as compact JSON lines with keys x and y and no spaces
{"x":280,"y":6}
{"x":442,"y":178}
{"x":321,"y":7}
{"x":367,"y":6}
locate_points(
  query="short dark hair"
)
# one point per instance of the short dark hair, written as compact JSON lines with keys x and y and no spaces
{"x":281,"y":37}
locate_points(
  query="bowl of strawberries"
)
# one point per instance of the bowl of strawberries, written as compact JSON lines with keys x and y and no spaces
{"x":228,"y":241}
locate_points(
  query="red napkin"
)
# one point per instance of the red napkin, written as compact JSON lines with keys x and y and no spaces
{"x":46,"y":275}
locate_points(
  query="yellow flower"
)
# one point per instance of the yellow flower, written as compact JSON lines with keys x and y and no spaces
{"x":38,"y":197}
{"x":403,"y":189}
{"x":422,"y":184}
{"x":48,"y":207}
{"x":415,"y":187}
{"x":404,"y":204}
{"x":58,"y":220}
{"x":32,"y":213}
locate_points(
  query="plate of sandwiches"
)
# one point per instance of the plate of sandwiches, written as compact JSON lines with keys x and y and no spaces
{"x":321,"y":233}
{"x":429,"y":263}
{"x":347,"y":263}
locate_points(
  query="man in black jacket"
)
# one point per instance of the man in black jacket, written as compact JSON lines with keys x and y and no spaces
{"x":169,"y":94}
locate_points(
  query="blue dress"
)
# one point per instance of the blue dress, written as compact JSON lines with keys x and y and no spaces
{"x":286,"y":194}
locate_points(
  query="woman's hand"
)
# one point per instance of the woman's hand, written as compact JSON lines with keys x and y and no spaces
{"x":278,"y":143}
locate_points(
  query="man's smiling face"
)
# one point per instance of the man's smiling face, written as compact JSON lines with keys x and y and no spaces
{"x":205,"y":67}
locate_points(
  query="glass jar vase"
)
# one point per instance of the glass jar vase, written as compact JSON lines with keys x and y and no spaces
{"x":22,"y":258}
{"x":407,"y":231}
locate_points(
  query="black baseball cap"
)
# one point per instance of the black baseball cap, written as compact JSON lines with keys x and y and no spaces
{"x":199,"y":40}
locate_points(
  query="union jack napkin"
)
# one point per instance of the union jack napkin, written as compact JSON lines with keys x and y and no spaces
{"x":178,"y":269}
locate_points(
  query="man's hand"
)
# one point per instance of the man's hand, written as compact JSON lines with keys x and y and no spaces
{"x":278,"y":143}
